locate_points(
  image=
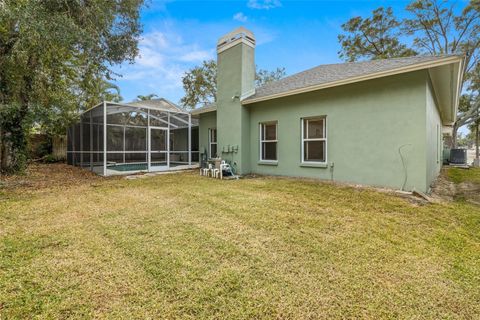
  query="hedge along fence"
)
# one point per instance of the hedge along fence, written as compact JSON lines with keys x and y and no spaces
{"x":41,"y":145}
{"x":38,"y":145}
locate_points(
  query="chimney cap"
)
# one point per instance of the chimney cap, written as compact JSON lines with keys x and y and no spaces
{"x":236,"y":36}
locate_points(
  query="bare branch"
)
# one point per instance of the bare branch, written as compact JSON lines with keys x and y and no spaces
{"x":472,"y":113}
{"x":443,"y":28}
{"x":463,"y":32}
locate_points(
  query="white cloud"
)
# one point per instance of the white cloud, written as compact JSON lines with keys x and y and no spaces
{"x":239,"y":16}
{"x":154,"y":39}
{"x":196,"y":55}
{"x":164,"y":56}
{"x":172,"y":48}
{"x":264,"y":4}
{"x":263,"y":36}
{"x":149,"y":58}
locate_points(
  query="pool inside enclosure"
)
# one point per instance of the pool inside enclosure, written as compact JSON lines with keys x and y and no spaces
{"x":121,"y":138}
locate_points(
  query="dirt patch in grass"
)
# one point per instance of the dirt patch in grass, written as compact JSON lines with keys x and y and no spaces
{"x":444,"y":188}
{"x":468,"y":191}
{"x":458,"y":184}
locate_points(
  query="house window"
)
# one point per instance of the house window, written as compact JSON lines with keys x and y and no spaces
{"x":314,"y":140}
{"x":212,"y":143}
{"x":268,"y":141}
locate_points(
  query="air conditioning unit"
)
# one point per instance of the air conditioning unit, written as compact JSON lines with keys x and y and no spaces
{"x":458,"y":156}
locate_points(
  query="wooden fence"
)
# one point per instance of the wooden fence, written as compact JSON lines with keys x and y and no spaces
{"x":59,"y":147}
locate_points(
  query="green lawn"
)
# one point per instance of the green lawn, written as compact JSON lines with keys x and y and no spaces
{"x":184,"y":246}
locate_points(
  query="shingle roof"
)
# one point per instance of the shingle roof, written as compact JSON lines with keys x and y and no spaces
{"x":160,"y":103}
{"x":324,"y":74}
{"x":207,"y":108}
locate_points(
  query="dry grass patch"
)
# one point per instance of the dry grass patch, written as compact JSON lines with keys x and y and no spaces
{"x":459,"y":184}
{"x":184,"y":246}
{"x":39,"y":177}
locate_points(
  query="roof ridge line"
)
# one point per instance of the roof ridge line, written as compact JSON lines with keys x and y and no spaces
{"x":356,"y":62}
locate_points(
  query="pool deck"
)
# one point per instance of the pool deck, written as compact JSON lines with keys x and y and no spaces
{"x":111,"y":172}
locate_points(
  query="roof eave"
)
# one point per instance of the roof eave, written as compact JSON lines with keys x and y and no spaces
{"x":459,"y":84}
{"x":447,"y":83}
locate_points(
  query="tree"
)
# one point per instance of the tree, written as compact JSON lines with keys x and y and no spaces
{"x":200,"y":83}
{"x":373,"y":38}
{"x":54,"y":55}
{"x":147,"y":97}
{"x":108,"y":92}
{"x":432,"y":27}
{"x":53,"y":120}
{"x":262,"y":77}
{"x":473,"y":106}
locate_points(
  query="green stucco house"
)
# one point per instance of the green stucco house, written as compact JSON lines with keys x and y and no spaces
{"x":378,"y":123}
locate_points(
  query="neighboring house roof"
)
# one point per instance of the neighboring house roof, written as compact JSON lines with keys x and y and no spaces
{"x":330,"y":75}
{"x":207,"y":108}
{"x":160,"y":103}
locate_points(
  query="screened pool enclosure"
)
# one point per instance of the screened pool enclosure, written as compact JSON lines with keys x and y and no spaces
{"x":118,"y":138}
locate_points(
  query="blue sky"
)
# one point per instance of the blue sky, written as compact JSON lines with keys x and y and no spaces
{"x":179,"y":35}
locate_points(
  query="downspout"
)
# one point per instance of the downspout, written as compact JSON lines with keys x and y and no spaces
{"x":404,"y":164}
{"x":477,"y":151}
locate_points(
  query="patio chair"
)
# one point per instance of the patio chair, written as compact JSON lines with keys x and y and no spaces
{"x":210,"y":170}
{"x":216,"y":172}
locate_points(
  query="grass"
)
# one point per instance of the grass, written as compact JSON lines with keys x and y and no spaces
{"x":184,"y":246}
{"x":459,"y":175}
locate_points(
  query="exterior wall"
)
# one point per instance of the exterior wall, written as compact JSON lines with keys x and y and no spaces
{"x":434,"y":147}
{"x":367,"y":123}
{"x":235,"y":76}
{"x":206,"y":121}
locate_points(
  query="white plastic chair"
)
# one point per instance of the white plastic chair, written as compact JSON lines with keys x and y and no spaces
{"x":206,"y":171}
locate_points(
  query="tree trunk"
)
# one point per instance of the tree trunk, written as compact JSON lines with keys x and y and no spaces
{"x":13,"y":144}
{"x":1,"y":150}
{"x":453,"y":142}
{"x":5,"y":152}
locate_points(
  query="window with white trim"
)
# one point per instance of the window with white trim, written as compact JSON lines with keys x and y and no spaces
{"x":314,"y":140}
{"x":212,"y":143}
{"x":268,"y":141}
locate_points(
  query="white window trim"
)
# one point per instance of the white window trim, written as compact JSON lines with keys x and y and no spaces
{"x":307,"y":162}
{"x":210,"y":130}
{"x":261,"y":127}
